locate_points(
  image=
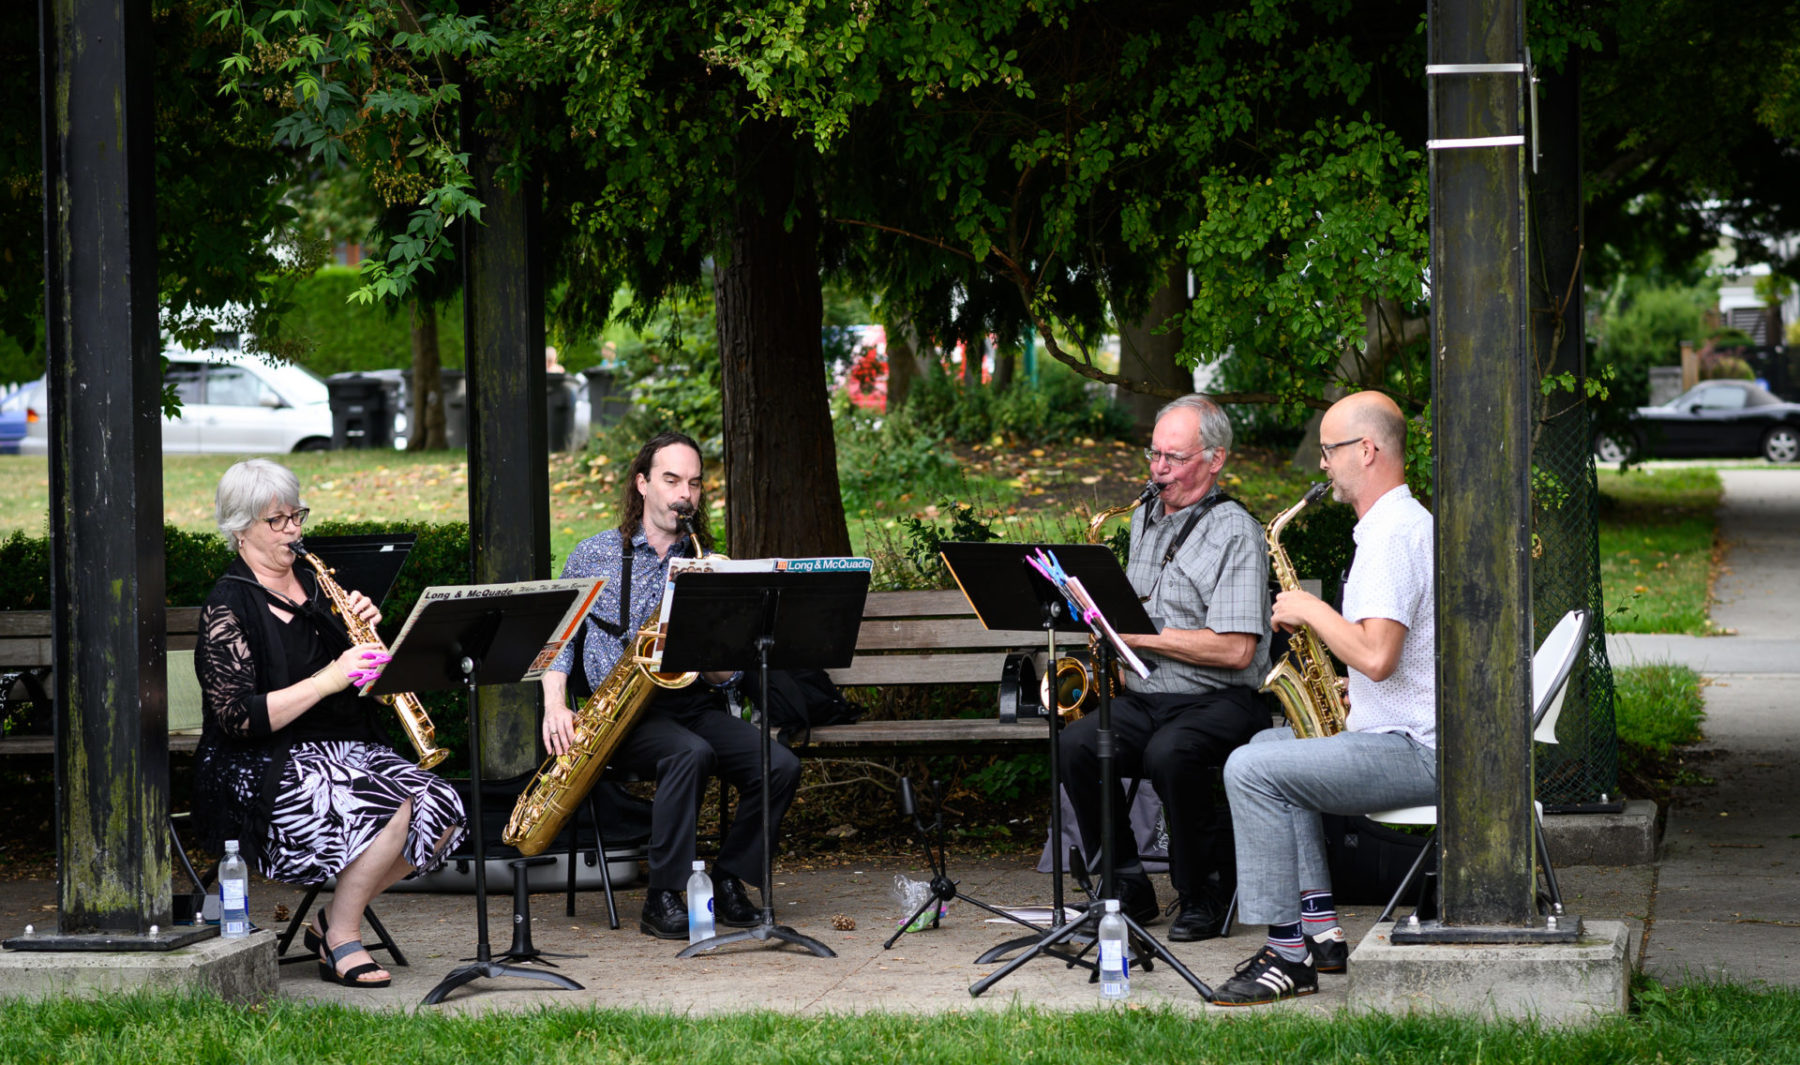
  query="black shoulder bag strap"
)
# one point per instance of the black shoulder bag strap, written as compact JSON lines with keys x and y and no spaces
{"x":1200,"y":511}
{"x":578,"y":678}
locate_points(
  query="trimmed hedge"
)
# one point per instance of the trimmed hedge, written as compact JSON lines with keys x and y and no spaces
{"x":344,"y":336}
{"x":193,"y":563}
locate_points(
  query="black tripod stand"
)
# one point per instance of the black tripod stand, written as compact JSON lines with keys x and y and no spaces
{"x":806,"y":619}
{"x":943,"y":889}
{"x":1144,"y":943}
{"x":467,"y":637}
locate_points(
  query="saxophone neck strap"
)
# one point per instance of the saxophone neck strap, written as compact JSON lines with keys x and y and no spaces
{"x":1213,"y":499}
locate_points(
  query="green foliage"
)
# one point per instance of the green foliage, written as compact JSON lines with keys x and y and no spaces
{"x":917,"y":563}
{"x":672,"y":368}
{"x":17,"y":364}
{"x":1655,"y":544}
{"x":194,"y":561}
{"x":880,"y":458}
{"x":342,"y":335}
{"x":374,"y":83}
{"x":1644,"y":329}
{"x":1724,"y":366}
{"x":1284,"y":255}
{"x":1060,"y":407}
{"x":1008,"y":779}
{"x":1657,"y":706}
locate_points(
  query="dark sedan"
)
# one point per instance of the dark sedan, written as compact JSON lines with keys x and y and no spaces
{"x":1714,"y":419}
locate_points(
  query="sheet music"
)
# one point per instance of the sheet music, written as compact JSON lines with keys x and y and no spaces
{"x":1098,"y":620}
{"x":588,"y":587}
{"x":720,"y":564}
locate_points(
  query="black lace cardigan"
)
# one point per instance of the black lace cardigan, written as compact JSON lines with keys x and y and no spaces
{"x":238,"y":658}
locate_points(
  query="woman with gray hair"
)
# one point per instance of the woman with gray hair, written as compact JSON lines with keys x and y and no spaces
{"x":293,"y":762}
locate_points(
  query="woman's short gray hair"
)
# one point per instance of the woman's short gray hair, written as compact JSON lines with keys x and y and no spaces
{"x":1215,"y":426}
{"x":247,"y":489}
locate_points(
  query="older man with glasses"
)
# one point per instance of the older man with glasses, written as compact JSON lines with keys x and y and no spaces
{"x":1199,"y":560}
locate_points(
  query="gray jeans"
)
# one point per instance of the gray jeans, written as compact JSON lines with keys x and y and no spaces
{"x":1278,"y":789}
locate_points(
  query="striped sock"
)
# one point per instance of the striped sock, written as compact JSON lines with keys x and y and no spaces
{"x":1286,"y":941}
{"x":1318,"y":913}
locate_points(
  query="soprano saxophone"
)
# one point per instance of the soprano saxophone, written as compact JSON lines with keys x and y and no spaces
{"x":1304,"y":680}
{"x":413,"y":717}
{"x":601,"y":725}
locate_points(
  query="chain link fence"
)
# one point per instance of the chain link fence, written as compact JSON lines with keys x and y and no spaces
{"x":1583,"y":768}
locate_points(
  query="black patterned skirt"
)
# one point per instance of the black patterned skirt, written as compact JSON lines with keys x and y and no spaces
{"x":336,"y":797}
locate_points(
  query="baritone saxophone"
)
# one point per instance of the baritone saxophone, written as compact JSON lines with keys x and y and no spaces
{"x":1304,"y":680}
{"x":602,"y":723}
{"x":413,"y":717}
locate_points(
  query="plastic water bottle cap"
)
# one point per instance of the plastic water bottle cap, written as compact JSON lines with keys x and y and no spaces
{"x":699,"y":866}
{"x":1112,"y":905}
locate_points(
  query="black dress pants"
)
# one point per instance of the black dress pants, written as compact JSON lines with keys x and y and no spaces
{"x":683,"y":737}
{"x":1174,"y":740}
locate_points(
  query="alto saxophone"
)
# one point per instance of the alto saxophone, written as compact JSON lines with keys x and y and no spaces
{"x":1304,"y":680}
{"x":413,"y":717}
{"x":601,"y":725}
{"x":1071,"y":679}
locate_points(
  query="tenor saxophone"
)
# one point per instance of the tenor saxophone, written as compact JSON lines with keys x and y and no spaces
{"x":1071,"y":679}
{"x":413,"y":717}
{"x":601,"y":724}
{"x":1304,"y":680}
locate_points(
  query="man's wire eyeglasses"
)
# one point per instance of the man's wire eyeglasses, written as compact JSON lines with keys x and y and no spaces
{"x":1325,"y":450}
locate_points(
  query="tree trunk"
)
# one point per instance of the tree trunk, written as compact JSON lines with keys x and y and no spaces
{"x":780,"y":457}
{"x":903,"y":363}
{"x":1006,"y":356}
{"x":426,"y":420}
{"x":1148,"y":356}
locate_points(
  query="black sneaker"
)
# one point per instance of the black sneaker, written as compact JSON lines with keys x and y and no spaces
{"x":1330,"y":951}
{"x":1267,"y":977}
{"x":1137,"y":897}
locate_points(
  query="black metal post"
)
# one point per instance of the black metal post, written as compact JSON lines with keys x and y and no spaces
{"x":1481,"y":406}
{"x":509,"y":476}
{"x":100,"y":318}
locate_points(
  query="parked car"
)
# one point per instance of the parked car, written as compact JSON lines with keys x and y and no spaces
{"x":18,"y":409}
{"x":1714,"y":419}
{"x":235,"y":404}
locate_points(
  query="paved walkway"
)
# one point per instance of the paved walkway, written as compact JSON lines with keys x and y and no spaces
{"x":1727,"y":898}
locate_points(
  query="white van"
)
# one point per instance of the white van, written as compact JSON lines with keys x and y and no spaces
{"x":232,"y":403}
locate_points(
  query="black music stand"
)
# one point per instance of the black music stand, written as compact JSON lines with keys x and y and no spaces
{"x":366,"y":563}
{"x":494,"y":634}
{"x":1022,"y":591}
{"x":778,"y":620}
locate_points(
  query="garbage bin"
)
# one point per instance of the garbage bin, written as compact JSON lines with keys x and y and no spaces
{"x":360,"y":412}
{"x":607,"y":402}
{"x":559,"y":410}
{"x":456,"y":408}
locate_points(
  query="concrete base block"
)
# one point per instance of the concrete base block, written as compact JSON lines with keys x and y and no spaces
{"x":237,"y":970}
{"x":1624,"y":838}
{"x":1555,"y":983}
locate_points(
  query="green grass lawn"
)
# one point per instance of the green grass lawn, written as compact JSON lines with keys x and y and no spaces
{"x":1656,"y":544}
{"x":1696,"y":1024}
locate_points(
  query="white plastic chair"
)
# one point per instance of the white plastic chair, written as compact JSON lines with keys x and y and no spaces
{"x":1550,"y":668}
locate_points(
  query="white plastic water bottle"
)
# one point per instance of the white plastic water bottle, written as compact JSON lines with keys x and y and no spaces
{"x":234,"y":894}
{"x":1115,"y":967}
{"x":700,"y":904}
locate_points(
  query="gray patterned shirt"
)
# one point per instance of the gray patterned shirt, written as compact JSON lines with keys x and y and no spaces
{"x":1218,"y":580}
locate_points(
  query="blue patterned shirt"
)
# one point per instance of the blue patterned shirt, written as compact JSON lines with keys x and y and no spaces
{"x":600,"y":556}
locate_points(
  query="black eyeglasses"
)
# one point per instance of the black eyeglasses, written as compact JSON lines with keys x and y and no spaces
{"x":280,"y":521}
{"x":1325,"y":450}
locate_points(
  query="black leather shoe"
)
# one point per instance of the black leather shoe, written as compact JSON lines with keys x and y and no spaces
{"x":1200,"y":918}
{"x":732,"y":905}
{"x":664,"y":916}
{"x":1137,"y":897}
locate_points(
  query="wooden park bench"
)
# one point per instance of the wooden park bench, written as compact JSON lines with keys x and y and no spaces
{"x":922,"y":638}
{"x":26,"y":661}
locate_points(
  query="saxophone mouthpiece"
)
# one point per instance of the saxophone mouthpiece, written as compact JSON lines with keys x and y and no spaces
{"x":298,"y":547}
{"x":682,"y":509}
{"x":1151,"y":490}
{"x":1312,"y":495}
